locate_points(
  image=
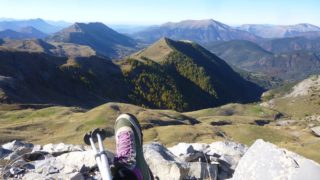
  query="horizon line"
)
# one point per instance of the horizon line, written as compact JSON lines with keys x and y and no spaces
{"x":149,"y":23}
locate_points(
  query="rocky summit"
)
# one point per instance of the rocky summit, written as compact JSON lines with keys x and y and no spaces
{"x":218,"y":160}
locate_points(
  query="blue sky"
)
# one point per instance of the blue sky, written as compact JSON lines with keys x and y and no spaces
{"x":145,"y":12}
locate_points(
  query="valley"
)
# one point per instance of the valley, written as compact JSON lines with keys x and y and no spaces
{"x":189,"y":81}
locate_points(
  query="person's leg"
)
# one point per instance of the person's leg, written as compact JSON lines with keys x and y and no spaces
{"x":129,"y":161}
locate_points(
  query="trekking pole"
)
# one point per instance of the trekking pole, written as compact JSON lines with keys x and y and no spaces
{"x":100,"y":156}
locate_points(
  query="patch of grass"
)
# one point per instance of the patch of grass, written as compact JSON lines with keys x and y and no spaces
{"x":298,"y":107}
{"x":247,"y":134}
{"x":249,"y":110}
{"x":171,"y":135}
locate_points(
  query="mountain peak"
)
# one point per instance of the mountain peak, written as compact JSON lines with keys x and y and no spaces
{"x":91,"y":27}
{"x":98,"y":36}
{"x":200,"y":31}
{"x":158,"y":51}
{"x":92,"y":24}
{"x":205,"y":23}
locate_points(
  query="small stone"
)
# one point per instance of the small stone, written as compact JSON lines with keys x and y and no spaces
{"x":201,"y":170}
{"x":48,"y":165}
{"x":316,"y":131}
{"x":75,"y":161}
{"x":53,"y":170}
{"x":181,"y":149}
{"x":285,"y":122}
{"x":76,"y":176}
{"x":12,"y":146}
{"x":36,"y":148}
{"x":16,"y":170}
{"x":61,"y":148}
{"x":3,"y":152}
{"x":18,"y":153}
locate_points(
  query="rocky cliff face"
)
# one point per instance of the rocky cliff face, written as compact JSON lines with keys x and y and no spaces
{"x":218,"y":160}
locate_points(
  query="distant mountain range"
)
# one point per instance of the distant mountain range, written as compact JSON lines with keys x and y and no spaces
{"x":184,"y":76}
{"x":23,"y":33}
{"x":284,"y":60}
{"x":209,"y":31}
{"x":39,"y":24}
{"x":54,"y":49}
{"x":241,"y":47}
{"x":281,"y":31}
{"x":283,"y":45}
{"x":200,"y":31}
{"x":98,"y":36}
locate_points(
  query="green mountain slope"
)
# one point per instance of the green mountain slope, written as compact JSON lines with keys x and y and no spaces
{"x":244,"y":54}
{"x":37,"y":78}
{"x":298,"y":100}
{"x":196,"y":78}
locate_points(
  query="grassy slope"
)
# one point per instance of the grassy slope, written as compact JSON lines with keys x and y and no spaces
{"x":297,"y":107}
{"x":68,"y":124}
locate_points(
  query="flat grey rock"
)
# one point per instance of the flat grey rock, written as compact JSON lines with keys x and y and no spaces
{"x":163,"y":163}
{"x":200,"y":170}
{"x":316,"y":130}
{"x":218,"y":160}
{"x":265,"y":161}
{"x":14,"y":145}
{"x":61,"y":148}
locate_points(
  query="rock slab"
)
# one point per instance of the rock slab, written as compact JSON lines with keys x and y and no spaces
{"x":265,"y":161}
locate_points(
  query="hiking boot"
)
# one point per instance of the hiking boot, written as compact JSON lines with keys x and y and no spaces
{"x":129,"y":160}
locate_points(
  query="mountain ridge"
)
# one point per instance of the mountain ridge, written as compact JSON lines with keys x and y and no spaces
{"x":98,"y":36}
{"x":38,"y":23}
{"x":291,"y":65}
{"x":190,"y":63}
{"x":54,"y":49}
{"x":200,"y":31}
{"x":279,"y":31}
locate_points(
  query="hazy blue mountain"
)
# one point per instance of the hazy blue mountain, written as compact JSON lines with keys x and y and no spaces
{"x":283,"y":45}
{"x":99,"y":37}
{"x":61,"y":24}
{"x":200,"y":31}
{"x":279,"y":31}
{"x":290,"y":64}
{"x":23,"y":33}
{"x":11,"y":34}
{"x":33,"y":32}
{"x":39,"y":24}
